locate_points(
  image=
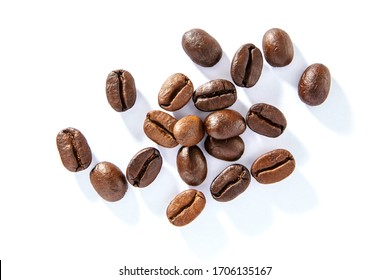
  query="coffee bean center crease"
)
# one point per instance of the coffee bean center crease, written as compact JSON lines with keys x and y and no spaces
{"x":230,"y":184}
{"x":275,"y":166}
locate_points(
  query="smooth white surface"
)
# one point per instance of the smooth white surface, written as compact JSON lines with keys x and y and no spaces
{"x":328,"y":220}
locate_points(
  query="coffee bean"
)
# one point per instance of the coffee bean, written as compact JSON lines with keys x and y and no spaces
{"x":273,"y":166}
{"x":266,"y":120}
{"x":230,"y":183}
{"x":120,"y":90}
{"x":144,"y":167}
{"x":215,"y":95}
{"x":158,"y":126}
{"x":230,"y":149}
{"x":108,"y":181}
{"x":224,"y":124}
{"x":189,"y":130}
{"x":247,"y":65}
{"x":74,"y":150}
{"x":185,"y":207}
{"x":314,"y":85}
{"x":277,"y":47}
{"x":175,"y":92}
{"x":201,"y":47}
{"x":191,"y":165}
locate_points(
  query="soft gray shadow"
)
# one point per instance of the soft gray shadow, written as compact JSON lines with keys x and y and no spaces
{"x":205,"y":235}
{"x":84,"y":183}
{"x":335,"y":113}
{"x":169,"y":155}
{"x":292,"y":72}
{"x":134,"y":117}
{"x":127,"y":208}
{"x":160,"y":192}
{"x":240,"y":107}
{"x":219,"y":71}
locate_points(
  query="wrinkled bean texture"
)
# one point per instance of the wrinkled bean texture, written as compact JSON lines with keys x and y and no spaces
{"x":273,"y":166}
{"x":266,"y":120}
{"x":230,"y":183}
{"x":230,"y":149}
{"x":201,"y":47}
{"x":314,"y":85}
{"x":74,"y":149}
{"x":158,"y":126}
{"x":224,"y":124}
{"x":215,"y":95}
{"x":277,"y":47}
{"x":246,"y":66}
{"x":189,"y":130}
{"x":108,"y":181}
{"x":185,"y":207}
{"x":144,"y":167}
{"x":175,"y":92}
{"x":191,"y":165}
{"x":120,"y":90}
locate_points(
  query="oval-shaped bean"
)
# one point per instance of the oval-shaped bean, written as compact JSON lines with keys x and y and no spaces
{"x":215,"y":95}
{"x":74,"y":150}
{"x":191,"y":165}
{"x":185,"y":207}
{"x":175,"y":92}
{"x":144,"y":167}
{"x":224,"y":124}
{"x":247,"y":65}
{"x":266,"y":120}
{"x":277,"y":47}
{"x":108,"y":181}
{"x":120,"y":90}
{"x":158,"y":126}
{"x":201,"y":47}
{"x":314,"y":85}
{"x":189,"y":130}
{"x":230,"y":149}
{"x":273,"y":166}
{"x":230,"y":183}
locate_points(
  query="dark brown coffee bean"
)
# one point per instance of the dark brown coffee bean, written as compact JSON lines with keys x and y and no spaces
{"x":189,"y":130}
{"x":74,"y":150}
{"x":108,"y":181}
{"x":247,"y":65}
{"x":201,"y":47}
{"x":215,"y":95}
{"x":144,"y":167}
{"x":224,"y":124}
{"x":314,"y":85}
{"x":230,"y":149}
{"x":273,"y":166}
{"x":191,"y":165}
{"x":266,"y":120}
{"x":120,"y":90}
{"x":185,"y":207}
{"x":277,"y":47}
{"x":230,"y":183}
{"x":176,"y":91}
{"x":158,"y":126}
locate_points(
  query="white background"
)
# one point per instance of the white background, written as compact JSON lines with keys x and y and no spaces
{"x":328,"y":220}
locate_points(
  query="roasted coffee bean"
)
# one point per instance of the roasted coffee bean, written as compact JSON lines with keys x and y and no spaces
{"x":201,"y":47}
{"x":175,"y":92}
{"x":158,"y":126}
{"x":314,"y":85}
{"x":224,"y":124}
{"x":74,"y":150}
{"x":120,"y":90}
{"x":215,"y":95}
{"x":108,"y":181}
{"x":230,"y":183}
{"x":273,"y":166}
{"x":230,"y":149}
{"x":189,"y":130}
{"x":191,"y":165}
{"x":266,"y":120}
{"x":185,"y":207}
{"x":247,"y":65}
{"x":277,"y":47}
{"x":144,"y":167}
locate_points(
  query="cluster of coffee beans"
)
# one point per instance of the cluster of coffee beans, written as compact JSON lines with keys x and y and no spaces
{"x":222,"y":126}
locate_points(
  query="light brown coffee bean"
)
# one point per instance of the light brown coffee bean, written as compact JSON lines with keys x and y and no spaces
{"x":158,"y":126}
{"x":175,"y":92}
{"x":120,"y":90}
{"x":189,"y":130}
{"x":277,"y":47}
